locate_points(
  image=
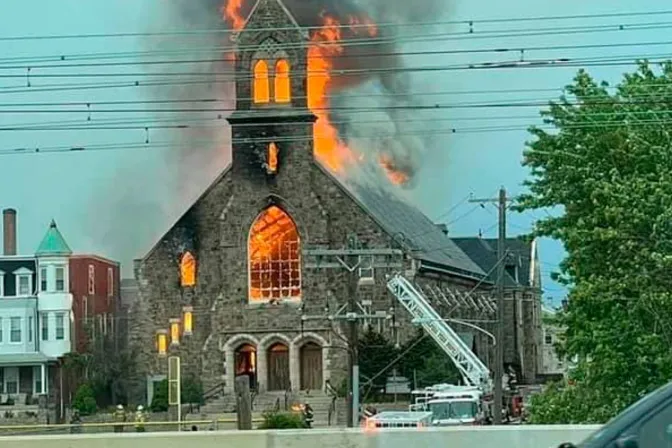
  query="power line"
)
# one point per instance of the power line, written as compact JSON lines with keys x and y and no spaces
{"x":485,"y":65}
{"x":469,"y":22}
{"x":356,"y":42}
{"x":267,"y":140}
{"x":499,"y":50}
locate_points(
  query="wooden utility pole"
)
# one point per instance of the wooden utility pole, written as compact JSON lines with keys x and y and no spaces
{"x":501,"y":201}
{"x":352,"y":258}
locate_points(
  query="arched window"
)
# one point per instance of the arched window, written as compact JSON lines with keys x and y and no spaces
{"x":283,"y":89}
{"x":262,"y":90}
{"x":274,"y":257}
{"x":187,"y":270}
{"x":272,"y":158}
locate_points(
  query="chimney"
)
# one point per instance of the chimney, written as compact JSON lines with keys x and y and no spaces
{"x":9,"y":231}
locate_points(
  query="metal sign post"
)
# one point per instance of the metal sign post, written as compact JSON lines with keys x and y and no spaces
{"x":174,"y":388}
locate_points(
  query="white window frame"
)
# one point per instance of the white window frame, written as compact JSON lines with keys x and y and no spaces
{"x":367,"y":271}
{"x":44,"y":279}
{"x":1,"y":332}
{"x":92,"y":280}
{"x":13,"y":320}
{"x":65,"y":279}
{"x":18,"y":275}
{"x":60,"y":318}
{"x":2,"y":283}
{"x":110,"y":282}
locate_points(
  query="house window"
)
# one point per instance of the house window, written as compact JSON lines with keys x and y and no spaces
{"x":366,"y":268}
{"x":11,"y":380}
{"x":30,"y":329}
{"x":43,"y":279}
{"x":2,"y":284}
{"x":44,"y":319}
{"x":60,"y":326}
{"x":60,"y":279}
{"x":274,"y":257}
{"x":548,"y":339}
{"x":283,"y":92}
{"x":262,"y":89}
{"x":110,"y":282}
{"x":92,"y":279}
{"x":37,"y":375}
{"x":85,"y":309}
{"x":15,"y":329}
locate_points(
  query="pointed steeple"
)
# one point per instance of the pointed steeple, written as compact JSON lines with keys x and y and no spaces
{"x":272,"y":14}
{"x":53,"y":244}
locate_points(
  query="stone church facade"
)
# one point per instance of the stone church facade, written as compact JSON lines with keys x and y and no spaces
{"x":235,"y":261}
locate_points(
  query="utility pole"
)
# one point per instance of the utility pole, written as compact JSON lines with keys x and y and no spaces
{"x":359,"y":264}
{"x":501,"y":201}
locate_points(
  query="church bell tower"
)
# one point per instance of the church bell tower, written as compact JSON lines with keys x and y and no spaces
{"x":272,"y":127}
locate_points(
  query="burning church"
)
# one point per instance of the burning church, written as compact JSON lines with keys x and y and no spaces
{"x":237,"y":260}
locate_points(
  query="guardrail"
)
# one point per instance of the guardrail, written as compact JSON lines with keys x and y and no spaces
{"x":130,"y":426}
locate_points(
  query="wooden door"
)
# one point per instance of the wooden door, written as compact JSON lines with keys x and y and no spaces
{"x":278,"y":367}
{"x":311,"y":367}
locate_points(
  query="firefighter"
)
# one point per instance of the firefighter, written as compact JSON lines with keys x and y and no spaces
{"x":140,"y":418}
{"x":308,"y":415}
{"x":120,"y":418}
{"x":75,"y":422}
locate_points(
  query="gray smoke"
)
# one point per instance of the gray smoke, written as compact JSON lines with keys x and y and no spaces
{"x":151,"y":190}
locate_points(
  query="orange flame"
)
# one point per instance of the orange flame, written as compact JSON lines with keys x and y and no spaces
{"x":329,"y":149}
{"x":395,"y":176}
{"x":232,"y":13}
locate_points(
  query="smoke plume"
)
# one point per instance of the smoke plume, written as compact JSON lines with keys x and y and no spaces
{"x":152,"y":190}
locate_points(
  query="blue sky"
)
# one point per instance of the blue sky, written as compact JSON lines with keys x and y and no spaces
{"x":74,"y":188}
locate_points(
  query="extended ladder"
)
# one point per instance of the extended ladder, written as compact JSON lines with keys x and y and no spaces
{"x":474,"y":372}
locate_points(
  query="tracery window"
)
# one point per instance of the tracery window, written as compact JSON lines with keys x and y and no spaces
{"x":262,"y":88}
{"x":283,"y":89}
{"x":274,"y":257}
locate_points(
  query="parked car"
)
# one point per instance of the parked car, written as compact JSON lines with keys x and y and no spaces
{"x":645,"y":424}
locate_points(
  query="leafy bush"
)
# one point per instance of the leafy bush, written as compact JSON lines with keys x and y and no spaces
{"x":282,"y":420}
{"x":160,"y":398}
{"x":192,"y":391}
{"x":84,"y":400}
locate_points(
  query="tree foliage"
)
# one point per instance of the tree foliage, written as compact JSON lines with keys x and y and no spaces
{"x":84,"y":400}
{"x":608,"y":165}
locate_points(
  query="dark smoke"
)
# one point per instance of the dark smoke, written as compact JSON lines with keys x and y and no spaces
{"x":150,"y":190}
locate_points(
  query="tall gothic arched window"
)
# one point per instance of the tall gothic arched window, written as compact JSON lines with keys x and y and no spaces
{"x":187,"y":270}
{"x":261,"y":88}
{"x":283,"y":88}
{"x":274,"y":252}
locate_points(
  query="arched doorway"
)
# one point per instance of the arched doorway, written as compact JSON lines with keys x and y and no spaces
{"x":246,"y":363}
{"x":278,"y":367}
{"x":311,"y":366}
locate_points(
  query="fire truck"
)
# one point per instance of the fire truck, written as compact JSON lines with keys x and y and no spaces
{"x":468,"y":404}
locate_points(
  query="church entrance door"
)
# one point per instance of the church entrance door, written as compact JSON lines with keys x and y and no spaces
{"x":246,"y":363}
{"x":278,"y":367}
{"x":311,"y":366}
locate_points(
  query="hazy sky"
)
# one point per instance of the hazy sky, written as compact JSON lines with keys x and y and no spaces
{"x":90,"y":192}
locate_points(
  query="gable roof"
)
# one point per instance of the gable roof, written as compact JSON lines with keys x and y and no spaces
{"x":484,"y":252}
{"x":407,"y":225}
{"x":53,"y":243}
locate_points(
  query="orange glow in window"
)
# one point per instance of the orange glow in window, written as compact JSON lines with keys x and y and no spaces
{"x":188,"y":270}
{"x":272,"y":158}
{"x":262,"y":89}
{"x":283,"y":89}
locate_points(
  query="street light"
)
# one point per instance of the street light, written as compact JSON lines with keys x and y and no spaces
{"x":178,"y":327}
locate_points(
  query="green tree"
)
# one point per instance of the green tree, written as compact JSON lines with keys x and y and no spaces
{"x":607,"y":163}
{"x":84,"y":400}
{"x":160,"y":397}
{"x":426,"y":362}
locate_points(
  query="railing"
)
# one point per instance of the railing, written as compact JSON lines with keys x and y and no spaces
{"x":214,"y":392}
{"x":86,"y":428}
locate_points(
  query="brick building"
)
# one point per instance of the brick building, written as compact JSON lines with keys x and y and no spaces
{"x":235,"y":257}
{"x":95,"y":288}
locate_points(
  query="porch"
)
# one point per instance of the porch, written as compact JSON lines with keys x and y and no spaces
{"x":23,"y":378}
